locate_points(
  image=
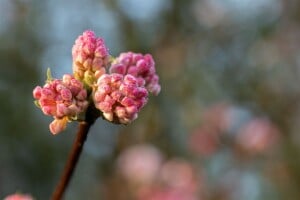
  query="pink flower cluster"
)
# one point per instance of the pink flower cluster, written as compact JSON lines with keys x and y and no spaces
{"x":140,"y":66}
{"x":61,"y":99}
{"x":90,"y":57}
{"x":119,"y":88}
{"x":119,"y":97}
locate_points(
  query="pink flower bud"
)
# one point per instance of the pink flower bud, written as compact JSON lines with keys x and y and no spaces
{"x":37,"y":92}
{"x":116,"y":95}
{"x":119,"y":97}
{"x":120,"y":112}
{"x":130,"y":80}
{"x":141,"y":67}
{"x":126,"y":101}
{"x":58,"y":125}
{"x":99,"y":73}
{"x":81,"y":105}
{"x":131,"y":110}
{"x":67,"y":78}
{"x":66,"y":94}
{"x":73,"y":109}
{"x":47,"y":93}
{"x":109,"y":116}
{"x":97,"y":64}
{"x":49,"y":110}
{"x":82,"y":95}
{"x":89,"y":54}
{"x":133,"y":71}
{"x":118,"y":68}
{"x":61,"y":110}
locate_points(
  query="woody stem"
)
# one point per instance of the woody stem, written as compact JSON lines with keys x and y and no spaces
{"x":83,"y":129}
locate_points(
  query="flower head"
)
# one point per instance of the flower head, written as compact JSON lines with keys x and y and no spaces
{"x":90,"y":57}
{"x":119,"y":97}
{"x":63,"y":99}
{"x":140,"y":66}
{"x":118,"y":93}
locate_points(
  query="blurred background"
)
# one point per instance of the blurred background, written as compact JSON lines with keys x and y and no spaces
{"x":224,"y":127}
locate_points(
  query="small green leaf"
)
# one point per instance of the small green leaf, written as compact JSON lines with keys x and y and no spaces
{"x":72,"y":118}
{"x":36,"y":102}
{"x":49,"y":76}
{"x":111,"y":59}
{"x":89,"y":78}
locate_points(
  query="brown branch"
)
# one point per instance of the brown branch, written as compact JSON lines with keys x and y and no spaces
{"x":83,"y":129}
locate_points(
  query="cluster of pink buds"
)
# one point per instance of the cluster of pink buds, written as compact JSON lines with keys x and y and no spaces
{"x":140,"y":66}
{"x":118,"y":88}
{"x":63,"y":99}
{"x":119,"y":97}
{"x":90,"y":57}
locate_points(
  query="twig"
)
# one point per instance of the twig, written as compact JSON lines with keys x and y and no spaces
{"x":73,"y":158}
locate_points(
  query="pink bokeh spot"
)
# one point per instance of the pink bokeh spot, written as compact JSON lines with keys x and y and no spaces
{"x":18,"y":197}
{"x":257,"y":136}
{"x":140,"y":164}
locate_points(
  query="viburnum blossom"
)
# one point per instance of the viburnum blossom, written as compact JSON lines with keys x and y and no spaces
{"x":18,"y":197}
{"x":118,"y":89}
{"x":119,"y":97}
{"x":140,"y":66}
{"x":90,"y":57}
{"x":63,"y":99}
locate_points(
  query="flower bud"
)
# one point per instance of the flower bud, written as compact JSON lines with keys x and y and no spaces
{"x":58,"y":125}
{"x":142,"y":67}
{"x":63,"y":99}
{"x":119,"y":97}
{"x":37,"y":92}
{"x":90,"y":57}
